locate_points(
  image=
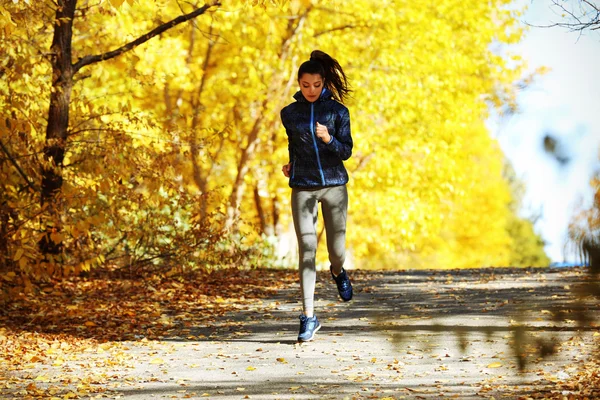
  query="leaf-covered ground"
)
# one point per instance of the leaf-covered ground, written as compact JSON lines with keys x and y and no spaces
{"x":502,"y":333}
{"x":79,"y":316}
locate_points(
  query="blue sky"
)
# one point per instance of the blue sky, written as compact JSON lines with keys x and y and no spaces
{"x":565,"y":102}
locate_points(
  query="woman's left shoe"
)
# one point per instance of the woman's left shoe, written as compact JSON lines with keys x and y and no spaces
{"x":343,"y":284}
{"x":308,"y":328}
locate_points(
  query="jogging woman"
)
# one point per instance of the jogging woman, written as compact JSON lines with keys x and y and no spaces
{"x":318,"y":129}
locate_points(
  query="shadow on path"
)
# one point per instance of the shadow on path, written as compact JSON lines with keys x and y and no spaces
{"x":406,"y":334}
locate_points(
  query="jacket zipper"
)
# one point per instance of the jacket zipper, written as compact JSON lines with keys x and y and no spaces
{"x":314,"y":137}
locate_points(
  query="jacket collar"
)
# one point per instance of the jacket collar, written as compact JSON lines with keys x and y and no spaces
{"x":325,"y":95}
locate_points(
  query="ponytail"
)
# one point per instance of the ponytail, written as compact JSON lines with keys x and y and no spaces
{"x":323,"y":64}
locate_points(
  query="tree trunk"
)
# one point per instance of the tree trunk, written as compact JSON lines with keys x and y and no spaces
{"x":63,"y":71}
{"x":235,"y":199}
{"x":58,"y":120}
{"x":262,"y":218}
{"x":4,"y":220}
{"x":275,"y":207}
{"x":591,"y":252}
{"x":200,"y":176}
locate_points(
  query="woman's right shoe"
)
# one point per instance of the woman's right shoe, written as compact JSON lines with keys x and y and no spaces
{"x":343,"y":284}
{"x":308,"y":328}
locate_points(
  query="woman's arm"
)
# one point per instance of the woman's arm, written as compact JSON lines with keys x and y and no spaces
{"x":287,"y":167}
{"x":341,"y":140}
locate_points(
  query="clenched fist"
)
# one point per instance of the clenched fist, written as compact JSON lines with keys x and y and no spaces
{"x":286,"y":169}
{"x":322,"y":133}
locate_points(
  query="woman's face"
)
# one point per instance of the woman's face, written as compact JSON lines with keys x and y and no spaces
{"x":311,"y":86}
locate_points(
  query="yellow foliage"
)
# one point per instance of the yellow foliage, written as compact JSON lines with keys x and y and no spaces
{"x":180,"y":138}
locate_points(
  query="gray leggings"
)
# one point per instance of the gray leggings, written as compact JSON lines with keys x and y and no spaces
{"x":334,"y":204}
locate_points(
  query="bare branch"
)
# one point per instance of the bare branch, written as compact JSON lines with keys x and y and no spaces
{"x":18,"y":168}
{"x":87,"y":60}
{"x":339,"y":28}
{"x":595,"y":7}
{"x":586,"y":18}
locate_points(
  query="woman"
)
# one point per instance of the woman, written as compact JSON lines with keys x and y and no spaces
{"x":318,"y":129}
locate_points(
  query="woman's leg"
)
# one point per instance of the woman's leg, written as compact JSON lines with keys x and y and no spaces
{"x":304,"y":213}
{"x":334,"y":203}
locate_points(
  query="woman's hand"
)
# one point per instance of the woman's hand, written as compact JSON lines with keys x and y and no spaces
{"x":286,"y":169}
{"x":322,"y":133}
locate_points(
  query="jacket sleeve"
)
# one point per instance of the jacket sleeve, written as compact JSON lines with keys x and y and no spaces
{"x":341,"y":140}
{"x":283,"y":122}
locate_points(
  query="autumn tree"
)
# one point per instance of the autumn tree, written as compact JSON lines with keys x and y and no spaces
{"x":67,"y":60}
{"x":172,"y":149}
{"x":64,"y":73}
{"x":424,"y":160}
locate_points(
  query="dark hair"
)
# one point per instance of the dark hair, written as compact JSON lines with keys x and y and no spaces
{"x":330,"y":70}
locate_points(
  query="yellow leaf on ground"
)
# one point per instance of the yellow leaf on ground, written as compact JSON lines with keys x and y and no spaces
{"x":495,"y":365}
{"x":157,"y":361}
{"x":17,"y":256}
{"x":106,"y":346}
{"x":9,"y":276}
{"x":58,"y":362}
{"x":32,"y":358}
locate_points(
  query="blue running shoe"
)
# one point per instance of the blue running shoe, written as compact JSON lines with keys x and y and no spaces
{"x":343,"y":284}
{"x":308,"y":328}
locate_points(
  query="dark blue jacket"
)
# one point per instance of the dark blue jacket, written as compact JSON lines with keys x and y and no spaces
{"x":316,"y":164}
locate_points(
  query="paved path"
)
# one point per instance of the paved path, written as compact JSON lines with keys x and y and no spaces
{"x":407,"y":334}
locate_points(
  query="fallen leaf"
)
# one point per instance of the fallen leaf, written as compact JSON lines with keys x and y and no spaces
{"x":33,"y":358}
